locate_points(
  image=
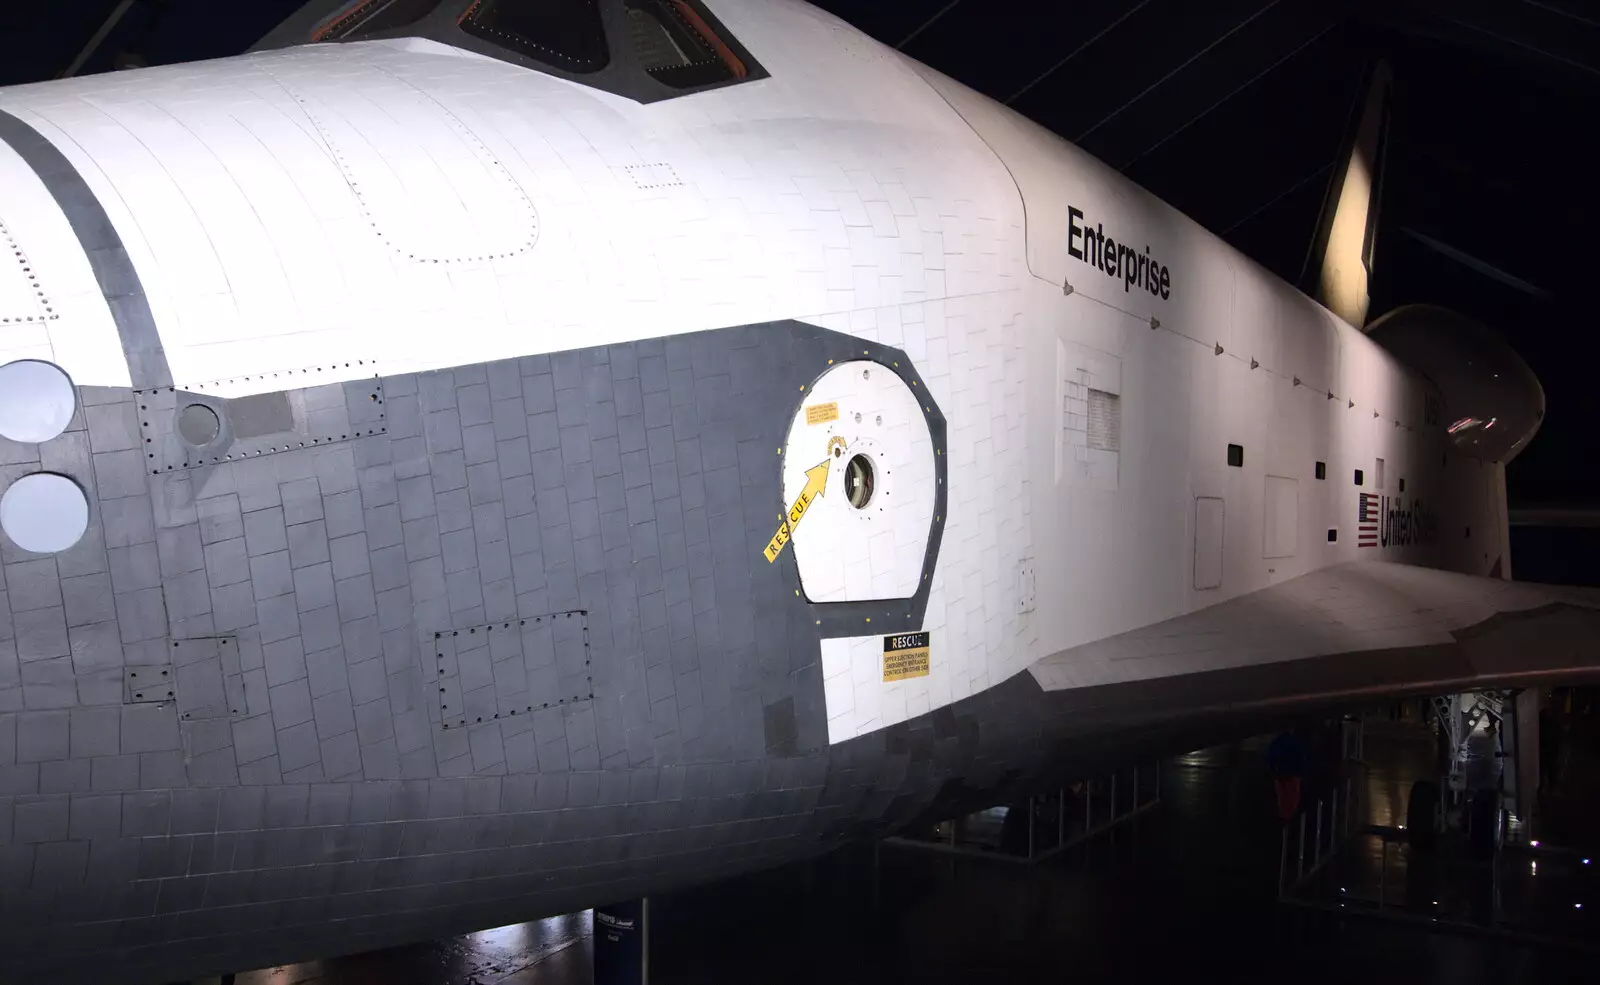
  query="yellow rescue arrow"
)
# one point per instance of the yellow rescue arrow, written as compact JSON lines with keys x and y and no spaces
{"x":816,"y":485}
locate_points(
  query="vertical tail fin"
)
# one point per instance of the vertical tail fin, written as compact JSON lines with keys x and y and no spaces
{"x":1338,"y":267}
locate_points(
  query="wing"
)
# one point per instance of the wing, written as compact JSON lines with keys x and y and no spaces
{"x":1346,"y":632}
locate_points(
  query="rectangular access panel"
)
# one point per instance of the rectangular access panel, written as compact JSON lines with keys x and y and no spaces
{"x":1208,"y":530}
{"x":511,"y":668}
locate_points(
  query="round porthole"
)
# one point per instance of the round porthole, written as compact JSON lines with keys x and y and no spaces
{"x":199,"y":424}
{"x":44,"y":512}
{"x":859,"y":480}
{"x":36,"y":401}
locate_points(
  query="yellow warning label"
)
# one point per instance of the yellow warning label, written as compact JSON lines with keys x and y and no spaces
{"x":822,"y":413}
{"x":905,"y":656}
{"x":816,"y":484}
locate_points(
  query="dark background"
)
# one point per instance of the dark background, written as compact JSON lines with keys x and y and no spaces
{"x":1233,"y":111}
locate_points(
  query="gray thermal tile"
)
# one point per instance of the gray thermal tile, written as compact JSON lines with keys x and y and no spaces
{"x":227,"y":562}
{"x":113,"y":426}
{"x":478,"y":444}
{"x":149,"y":728}
{"x":162,"y":770}
{"x":127,"y":521}
{"x":302,"y":501}
{"x":40,"y":819}
{"x":21,"y":779}
{"x":42,"y":633}
{"x":333,"y":714}
{"x":313,"y":585}
{"x":291,"y":704}
{"x":356,"y":599}
{"x":195,"y":811}
{"x":464,"y":590}
{"x":256,"y":700}
{"x":449,"y":471}
{"x":180,"y":550}
{"x":454,"y":510}
{"x":234,"y":607}
{"x":188,"y":596}
{"x":214,"y":769}
{"x":278,"y":618}
{"x":94,"y":816}
{"x":261,"y":772}
{"x":254,"y":739}
{"x":349,"y":557}
{"x":308,"y":544}
{"x":33,"y":584}
{"x":388,"y":568}
{"x":320,"y":628}
{"x":95,"y":732}
{"x":394,"y":608}
{"x":422,"y":538}
{"x":374,"y":722}
{"x":284,"y":660}
{"x":474,"y":404}
{"x":145,"y":813}
{"x":459,"y":551}
{"x":88,"y":599}
{"x":286,"y":806}
{"x":264,"y":531}
{"x":343,"y":513}
{"x":325,"y":672}
{"x":133,"y":568}
{"x":271,"y":575}
{"x":115,"y":773}
{"x":427,"y":579}
{"x":383,"y":527}
{"x":483,"y":483}
{"x":368,"y":680}
{"x":42,"y":735}
{"x":335,"y":468}
{"x":219,"y":518}
{"x":48,"y":684}
{"x":379,"y":486}
{"x":341,"y":757}
{"x":298,"y":747}
{"x":119,"y":474}
{"x":363,"y":640}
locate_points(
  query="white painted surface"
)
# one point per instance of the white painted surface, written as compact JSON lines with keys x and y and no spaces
{"x":36,"y":401}
{"x":845,"y":554}
{"x":852,"y":189}
{"x":44,"y":512}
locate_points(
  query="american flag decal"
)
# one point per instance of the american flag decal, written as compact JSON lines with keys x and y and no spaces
{"x":1367,"y":521}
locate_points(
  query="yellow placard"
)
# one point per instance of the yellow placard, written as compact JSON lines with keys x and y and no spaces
{"x":816,"y":485}
{"x":905,"y":656}
{"x":822,"y":413}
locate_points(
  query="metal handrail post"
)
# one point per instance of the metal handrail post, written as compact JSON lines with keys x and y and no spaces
{"x":1300,"y":858}
{"x":1316,"y":846}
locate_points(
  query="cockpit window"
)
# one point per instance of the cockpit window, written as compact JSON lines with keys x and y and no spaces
{"x":568,"y":34}
{"x":676,"y":44}
{"x":366,"y":17}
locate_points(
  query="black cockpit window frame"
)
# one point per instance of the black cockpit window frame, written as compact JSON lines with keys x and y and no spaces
{"x":584,"y":49}
{"x":713,"y":57}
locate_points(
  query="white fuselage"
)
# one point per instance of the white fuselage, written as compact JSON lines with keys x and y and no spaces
{"x":398,"y":206}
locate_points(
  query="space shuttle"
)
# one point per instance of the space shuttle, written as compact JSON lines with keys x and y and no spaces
{"x":470,"y":460}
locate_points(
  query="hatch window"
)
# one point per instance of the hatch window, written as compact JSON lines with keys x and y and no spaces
{"x":678,"y":45}
{"x":568,"y":34}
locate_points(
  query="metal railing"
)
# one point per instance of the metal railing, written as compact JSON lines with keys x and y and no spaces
{"x":1332,"y":825}
{"x":1128,"y":796}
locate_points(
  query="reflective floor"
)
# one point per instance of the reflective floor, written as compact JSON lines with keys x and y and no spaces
{"x":1185,"y":892}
